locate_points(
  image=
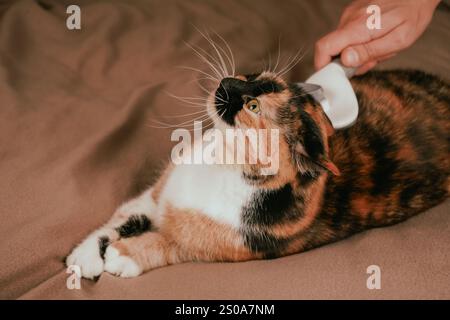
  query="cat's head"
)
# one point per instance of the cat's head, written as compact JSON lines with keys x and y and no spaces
{"x":266,"y":101}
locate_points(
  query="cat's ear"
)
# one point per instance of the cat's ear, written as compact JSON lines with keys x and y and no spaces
{"x":310,"y":143}
{"x":305,"y":163}
{"x":330,"y":166}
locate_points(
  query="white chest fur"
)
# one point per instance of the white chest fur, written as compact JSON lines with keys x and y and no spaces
{"x":216,"y":191}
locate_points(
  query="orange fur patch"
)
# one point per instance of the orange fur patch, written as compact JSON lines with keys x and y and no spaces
{"x":199,"y":237}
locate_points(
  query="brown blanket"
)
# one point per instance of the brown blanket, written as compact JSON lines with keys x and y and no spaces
{"x":76,"y":139}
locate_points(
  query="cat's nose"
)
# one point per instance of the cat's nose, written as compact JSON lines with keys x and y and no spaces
{"x":229,"y":98}
{"x":232,"y":84}
{"x":230,"y":87}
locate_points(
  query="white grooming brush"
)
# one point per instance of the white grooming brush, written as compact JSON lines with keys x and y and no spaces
{"x":330,"y":86}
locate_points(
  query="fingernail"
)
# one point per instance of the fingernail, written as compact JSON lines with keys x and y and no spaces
{"x":352,"y":57}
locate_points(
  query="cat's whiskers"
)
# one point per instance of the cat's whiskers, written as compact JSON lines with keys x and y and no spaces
{"x":187,"y":114}
{"x":219,"y":67}
{"x":278,"y":57}
{"x":298,"y":57}
{"x":165,"y":125}
{"x":269,"y":65}
{"x":211,"y":65}
{"x":229,"y":58}
{"x":208,"y":92}
{"x":190,"y":104}
{"x":290,"y":63}
{"x":204,"y":99}
{"x":207,"y":75}
{"x":226,"y":92}
{"x":216,"y":116}
{"x":293,"y":65}
{"x":202,"y":102}
{"x":209,"y":122}
{"x":221,"y":98}
{"x":202,"y":118}
{"x":221,"y":62}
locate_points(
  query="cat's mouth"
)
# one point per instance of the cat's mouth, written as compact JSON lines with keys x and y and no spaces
{"x":213,"y":112}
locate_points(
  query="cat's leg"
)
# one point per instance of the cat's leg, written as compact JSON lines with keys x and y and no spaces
{"x":132,"y":218}
{"x":182,"y":236}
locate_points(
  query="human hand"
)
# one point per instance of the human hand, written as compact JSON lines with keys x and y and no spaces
{"x":402,"y":23}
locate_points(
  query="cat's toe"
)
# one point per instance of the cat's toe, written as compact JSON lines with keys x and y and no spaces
{"x":87,"y":257}
{"x":120,"y":265}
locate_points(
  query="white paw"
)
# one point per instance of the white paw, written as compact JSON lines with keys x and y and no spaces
{"x":118,"y":265}
{"x":87,"y":257}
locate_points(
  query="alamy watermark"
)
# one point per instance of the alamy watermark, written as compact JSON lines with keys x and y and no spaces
{"x":374,"y":280}
{"x":374,"y":20}
{"x":73,"y":22}
{"x":74,"y":279}
{"x":229,"y":146}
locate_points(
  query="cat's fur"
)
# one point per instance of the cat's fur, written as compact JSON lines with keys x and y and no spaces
{"x":393,"y":163}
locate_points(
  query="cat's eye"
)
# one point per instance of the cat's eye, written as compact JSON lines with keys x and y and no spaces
{"x":253,"y":106}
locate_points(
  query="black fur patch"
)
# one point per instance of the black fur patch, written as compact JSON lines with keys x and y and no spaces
{"x":420,"y":142}
{"x":266,"y":243}
{"x":134,"y":226}
{"x":270,"y":207}
{"x":103,"y":243}
{"x":265,"y":86}
{"x":385,"y":165}
{"x":305,"y":180}
{"x":232,"y":90}
{"x":312,"y":137}
{"x":342,"y":211}
{"x":251,"y":77}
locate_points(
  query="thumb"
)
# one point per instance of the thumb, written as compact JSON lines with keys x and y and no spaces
{"x":356,"y":56}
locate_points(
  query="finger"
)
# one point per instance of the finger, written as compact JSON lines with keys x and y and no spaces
{"x":353,"y":32}
{"x":358,"y":55}
{"x":333,"y":43}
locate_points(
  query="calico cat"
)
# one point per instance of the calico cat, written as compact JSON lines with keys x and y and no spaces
{"x":393,"y":163}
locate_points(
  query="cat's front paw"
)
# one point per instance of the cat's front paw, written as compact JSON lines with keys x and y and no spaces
{"x":87,"y":257}
{"x":121,"y":265}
